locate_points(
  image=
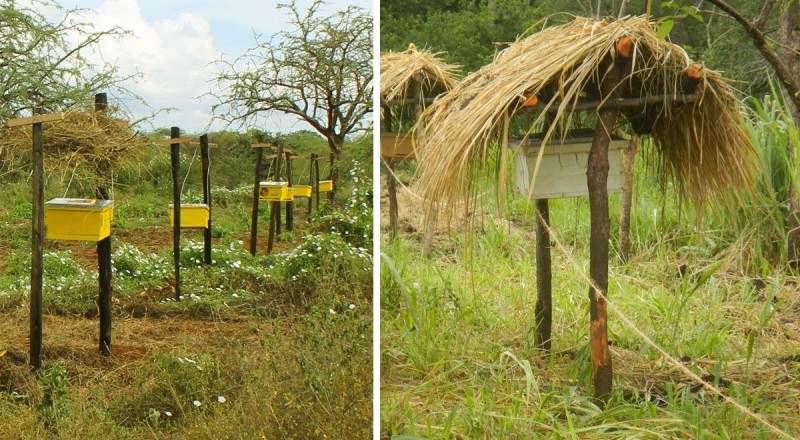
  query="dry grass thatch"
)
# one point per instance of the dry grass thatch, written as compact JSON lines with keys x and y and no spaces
{"x":701,"y":145}
{"x":399,"y":70}
{"x":83,"y":138}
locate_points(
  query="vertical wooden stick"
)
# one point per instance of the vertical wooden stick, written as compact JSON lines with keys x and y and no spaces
{"x":256,"y":189}
{"x":543,"y":313}
{"x":289,"y":204}
{"x":104,"y":299}
{"x":597,"y":179}
{"x":103,"y":166}
{"x":206,"y":160}
{"x":37,"y":238}
{"x":391,"y":189}
{"x":176,"y":203}
{"x":311,"y":182}
{"x":276,"y":206}
{"x":316,"y":178}
{"x":332,"y":175}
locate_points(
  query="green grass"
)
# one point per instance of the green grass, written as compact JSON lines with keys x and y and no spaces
{"x":457,"y":329}
{"x":265,"y":346}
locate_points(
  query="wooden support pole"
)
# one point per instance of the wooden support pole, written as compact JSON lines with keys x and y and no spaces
{"x":543,"y":313}
{"x":391,"y":189}
{"x":316,"y":179}
{"x":597,"y":180}
{"x":277,"y":205}
{"x":206,"y":162}
{"x":289,"y":204}
{"x":37,"y":239}
{"x":256,"y":189}
{"x":176,"y":203}
{"x":311,"y":182}
{"x":104,"y":298}
{"x":332,"y":175}
{"x":103,"y":248}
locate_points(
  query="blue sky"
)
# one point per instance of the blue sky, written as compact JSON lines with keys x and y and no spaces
{"x":174,"y":43}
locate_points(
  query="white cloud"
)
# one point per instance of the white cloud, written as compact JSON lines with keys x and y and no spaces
{"x":173,"y":56}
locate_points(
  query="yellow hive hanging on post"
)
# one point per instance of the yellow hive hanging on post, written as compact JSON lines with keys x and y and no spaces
{"x":78,"y":219}
{"x":274,"y":192}
{"x":325,"y":186}
{"x":301,"y":190}
{"x":193,"y":215}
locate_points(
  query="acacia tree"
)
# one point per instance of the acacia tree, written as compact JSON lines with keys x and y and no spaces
{"x":320,"y":70}
{"x":42,"y":64}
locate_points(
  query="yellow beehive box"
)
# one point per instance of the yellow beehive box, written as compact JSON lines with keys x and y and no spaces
{"x":325,"y":186}
{"x":274,"y":192}
{"x":301,"y":190}
{"x":78,"y":219}
{"x":193,"y":215}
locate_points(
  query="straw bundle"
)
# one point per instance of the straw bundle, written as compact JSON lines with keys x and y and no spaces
{"x":401,"y":69}
{"x":83,"y":138}
{"x":700,"y":145}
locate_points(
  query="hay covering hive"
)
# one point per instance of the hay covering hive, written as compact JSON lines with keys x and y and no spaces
{"x":96,"y":140}
{"x":701,"y":145}
{"x":401,"y":69}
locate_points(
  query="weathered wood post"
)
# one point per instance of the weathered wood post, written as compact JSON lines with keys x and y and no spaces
{"x":37,"y":239}
{"x":311,"y":161}
{"x":315,"y":166}
{"x":259,"y":147}
{"x":37,"y":228}
{"x":175,"y":133}
{"x":206,"y":161}
{"x":104,"y":252}
{"x":275,"y":213}
{"x":289,"y":203}
{"x":597,"y":180}
{"x":543,"y":313}
{"x":332,"y":176}
{"x":391,"y":181}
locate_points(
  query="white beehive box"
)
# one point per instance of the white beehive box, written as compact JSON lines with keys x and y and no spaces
{"x":562,"y":172}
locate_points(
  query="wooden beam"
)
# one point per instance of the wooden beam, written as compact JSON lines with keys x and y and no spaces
{"x":198,"y":144}
{"x":612,"y":103}
{"x":263,"y":145}
{"x":50,"y":117}
{"x":177,"y":140}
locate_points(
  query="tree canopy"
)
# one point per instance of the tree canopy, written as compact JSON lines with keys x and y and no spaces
{"x":42,"y":63}
{"x":319,"y":71}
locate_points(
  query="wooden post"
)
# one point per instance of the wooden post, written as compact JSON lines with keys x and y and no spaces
{"x":104,"y":299}
{"x":103,"y":167}
{"x":103,"y":250}
{"x":37,"y":239}
{"x":312,"y":159}
{"x":275,"y":213}
{"x":316,"y":178}
{"x":256,"y":189}
{"x":331,"y":175}
{"x":289,"y":204}
{"x":597,"y":179}
{"x":391,"y":188}
{"x":543,"y":314}
{"x":206,"y":160}
{"x":276,"y":206}
{"x":176,"y":203}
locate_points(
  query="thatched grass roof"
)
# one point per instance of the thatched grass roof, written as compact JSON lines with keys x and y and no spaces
{"x":83,"y":138}
{"x":399,"y":70}
{"x":701,"y":145}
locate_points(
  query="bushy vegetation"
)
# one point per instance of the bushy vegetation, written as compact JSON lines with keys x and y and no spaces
{"x":272,"y":346}
{"x":708,"y":285}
